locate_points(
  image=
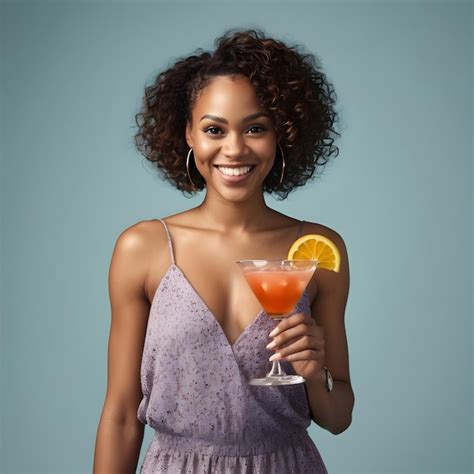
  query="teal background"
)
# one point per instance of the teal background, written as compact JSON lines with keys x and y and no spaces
{"x":400,"y":194}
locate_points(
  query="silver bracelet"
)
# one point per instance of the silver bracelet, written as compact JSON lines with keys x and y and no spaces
{"x":329,"y":380}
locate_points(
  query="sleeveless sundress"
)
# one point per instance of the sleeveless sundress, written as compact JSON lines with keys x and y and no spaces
{"x":196,"y":396}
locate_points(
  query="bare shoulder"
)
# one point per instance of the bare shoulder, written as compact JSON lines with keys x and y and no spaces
{"x":136,"y":237}
{"x":141,"y":239}
{"x":332,"y":234}
{"x":326,"y":278}
{"x":136,"y":247}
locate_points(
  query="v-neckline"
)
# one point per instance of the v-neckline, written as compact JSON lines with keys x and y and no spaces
{"x":209,"y":311}
{"x":213,"y":316}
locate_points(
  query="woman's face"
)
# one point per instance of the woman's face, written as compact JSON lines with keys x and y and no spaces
{"x":233,"y":139}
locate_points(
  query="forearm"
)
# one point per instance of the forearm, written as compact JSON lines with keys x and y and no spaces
{"x":117,"y":448}
{"x":330,"y":410}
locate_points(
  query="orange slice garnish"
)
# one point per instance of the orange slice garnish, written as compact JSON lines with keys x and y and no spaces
{"x":316,"y":247}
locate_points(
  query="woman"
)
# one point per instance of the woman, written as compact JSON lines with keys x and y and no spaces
{"x":254,"y":116}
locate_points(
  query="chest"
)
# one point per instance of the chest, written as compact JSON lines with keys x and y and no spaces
{"x":210,"y":271}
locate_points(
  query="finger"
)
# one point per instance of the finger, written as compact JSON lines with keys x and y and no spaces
{"x":301,"y":344}
{"x":291,"y":321}
{"x":285,"y":337}
{"x":308,"y":354}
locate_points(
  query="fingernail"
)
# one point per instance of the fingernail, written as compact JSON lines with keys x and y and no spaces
{"x":276,"y":356}
{"x":274,"y":332}
{"x":271,"y":345}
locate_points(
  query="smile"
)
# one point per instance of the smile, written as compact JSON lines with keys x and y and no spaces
{"x":235,"y":174}
{"x":234,"y":171}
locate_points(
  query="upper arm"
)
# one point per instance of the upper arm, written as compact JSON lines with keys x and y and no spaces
{"x":328,"y":309}
{"x":129,"y":317}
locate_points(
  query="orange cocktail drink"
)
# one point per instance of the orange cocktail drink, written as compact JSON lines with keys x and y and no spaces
{"x":278,"y":285}
{"x":278,"y":291}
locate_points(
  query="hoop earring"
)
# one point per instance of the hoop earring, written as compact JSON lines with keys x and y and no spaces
{"x":283,"y":164}
{"x":187,"y":168}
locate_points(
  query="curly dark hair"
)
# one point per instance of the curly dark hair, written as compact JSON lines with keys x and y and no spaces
{"x":290,"y":86}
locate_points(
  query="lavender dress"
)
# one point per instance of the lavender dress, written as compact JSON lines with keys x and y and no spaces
{"x":196,"y":396}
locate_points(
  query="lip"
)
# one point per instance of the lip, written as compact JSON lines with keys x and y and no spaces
{"x":234,"y":165}
{"x":235,"y":179}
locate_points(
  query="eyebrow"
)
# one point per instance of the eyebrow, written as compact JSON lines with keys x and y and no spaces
{"x":246,"y":119}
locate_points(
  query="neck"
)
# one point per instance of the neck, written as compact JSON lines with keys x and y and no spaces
{"x":235,"y":217}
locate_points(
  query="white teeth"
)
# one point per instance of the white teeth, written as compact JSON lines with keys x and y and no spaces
{"x":235,"y":171}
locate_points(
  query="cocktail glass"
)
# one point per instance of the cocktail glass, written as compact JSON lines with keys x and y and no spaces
{"x":278,"y":285}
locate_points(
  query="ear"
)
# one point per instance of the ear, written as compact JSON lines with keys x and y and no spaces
{"x":189,"y":138}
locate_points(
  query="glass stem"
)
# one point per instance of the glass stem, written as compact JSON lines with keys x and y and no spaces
{"x":276,"y":370}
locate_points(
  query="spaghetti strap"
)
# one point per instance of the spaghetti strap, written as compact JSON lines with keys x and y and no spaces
{"x":300,"y":228}
{"x":170,"y":243}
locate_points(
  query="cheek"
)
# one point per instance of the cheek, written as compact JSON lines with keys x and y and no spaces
{"x":268,"y":154}
{"x":205,"y":150}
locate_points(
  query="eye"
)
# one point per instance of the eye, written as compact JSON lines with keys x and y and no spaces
{"x":259,"y":129}
{"x":213,"y":130}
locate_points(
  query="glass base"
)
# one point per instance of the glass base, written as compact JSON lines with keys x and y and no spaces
{"x":274,"y":380}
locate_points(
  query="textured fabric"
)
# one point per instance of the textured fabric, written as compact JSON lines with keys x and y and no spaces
{"x":196,"y":396}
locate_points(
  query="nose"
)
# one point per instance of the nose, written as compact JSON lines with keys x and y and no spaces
{"x":234,"y":145}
